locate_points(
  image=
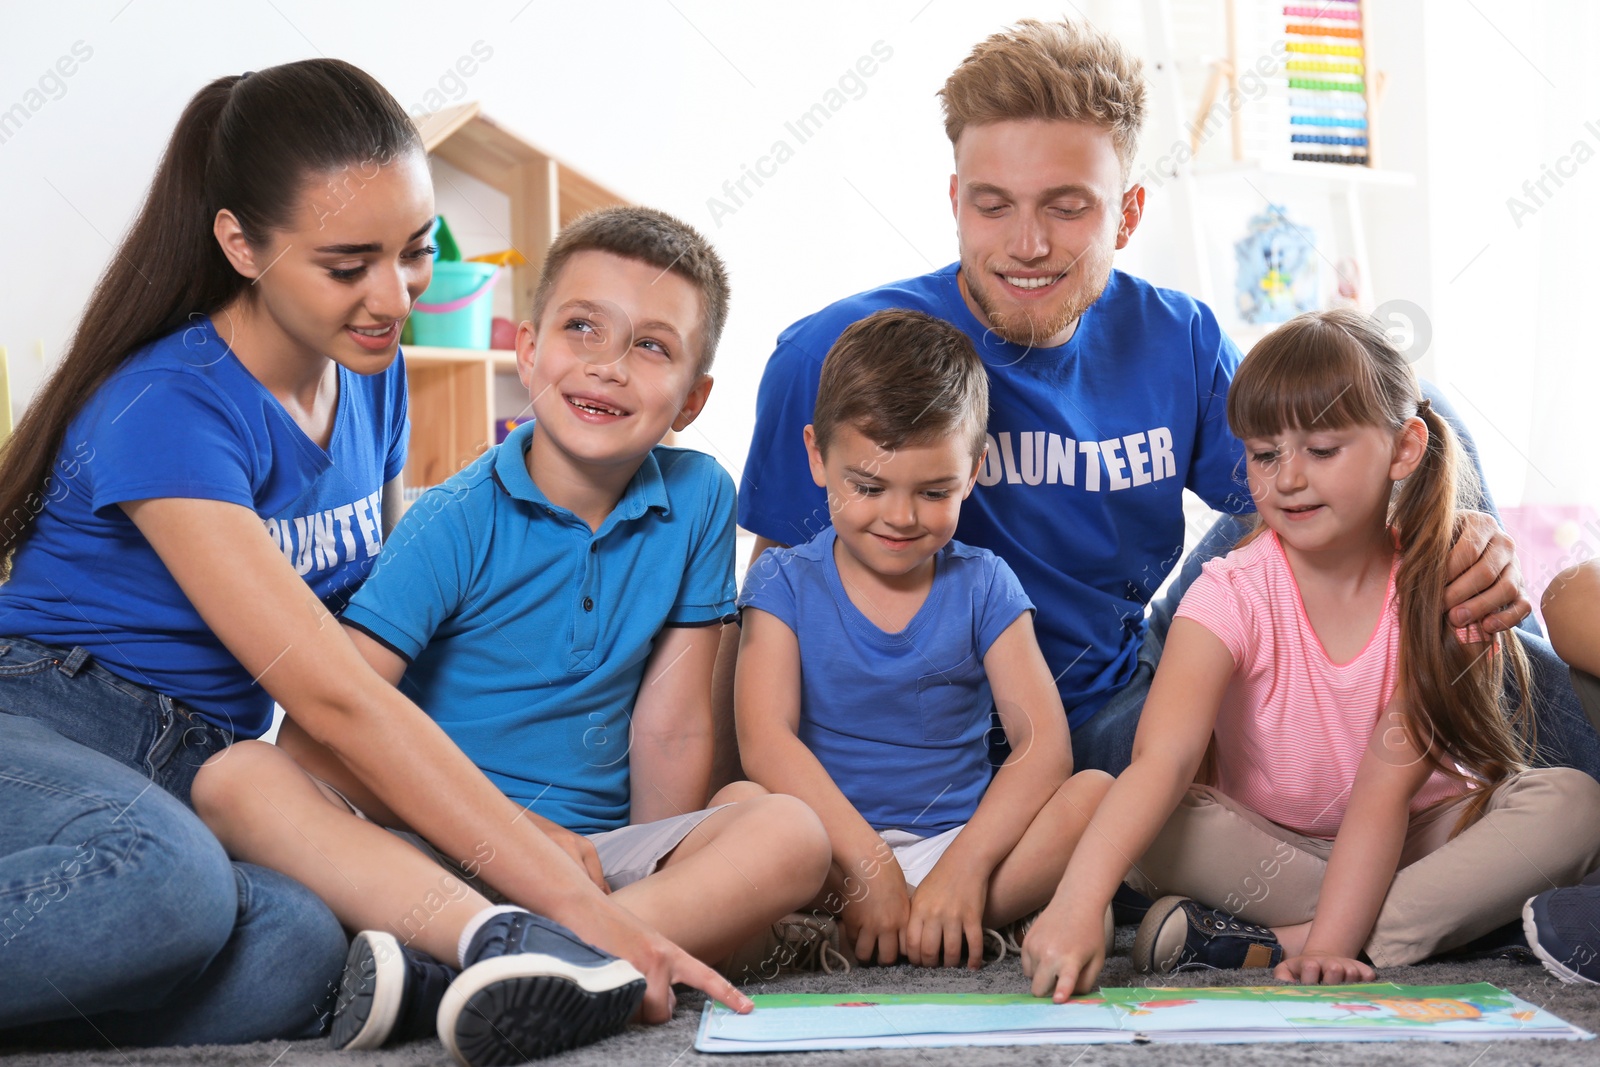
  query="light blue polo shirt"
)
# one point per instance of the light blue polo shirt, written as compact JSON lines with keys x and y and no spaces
{"x":527,"y":634}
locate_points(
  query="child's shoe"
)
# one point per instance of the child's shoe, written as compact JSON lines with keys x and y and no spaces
{"x":797,"y":942}
{"x":531,"y":988}
{"x":1507,"y":942}
{"x":1561,"y":926}
{"x":1179,"y":934}
{"x":389,"y":993}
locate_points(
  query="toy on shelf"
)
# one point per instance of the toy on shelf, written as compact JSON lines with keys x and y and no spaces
{"x":1330,"y":97}
{"x":456,"y":308}
{"x":1277,"y":276}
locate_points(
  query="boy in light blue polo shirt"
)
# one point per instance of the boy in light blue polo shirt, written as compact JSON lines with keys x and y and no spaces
{"x":556,"y":608}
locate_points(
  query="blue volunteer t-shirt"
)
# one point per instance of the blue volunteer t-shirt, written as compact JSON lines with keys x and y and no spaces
{"x":182,"y":417}
{"x":899,"y":721}
{"x":1091,"y":445}
{"x":527,"y":633}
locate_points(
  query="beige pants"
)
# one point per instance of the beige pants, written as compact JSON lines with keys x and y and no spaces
{"x":1541,"y":830}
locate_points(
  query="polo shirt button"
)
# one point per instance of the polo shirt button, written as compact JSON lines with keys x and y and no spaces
{"x":588,"y":603}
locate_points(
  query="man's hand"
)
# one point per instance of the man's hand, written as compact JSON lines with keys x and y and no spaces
{"x":947,"y":909}
{"x":580,"y":848}
{"x":878,"y":917}
{"x":1064,"y":951}
{"x":1485,"y":582}
{"x":1323,"y":968}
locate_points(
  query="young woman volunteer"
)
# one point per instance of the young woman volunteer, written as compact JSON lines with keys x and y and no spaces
{"x":203,"y":481}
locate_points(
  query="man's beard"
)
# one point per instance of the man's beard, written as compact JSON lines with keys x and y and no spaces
{"x":1021,"y":328}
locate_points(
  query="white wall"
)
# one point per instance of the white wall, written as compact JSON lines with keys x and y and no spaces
{"x":665,"y":102}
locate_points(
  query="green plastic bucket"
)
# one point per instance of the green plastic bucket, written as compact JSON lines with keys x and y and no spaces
{"x":457,"y":308}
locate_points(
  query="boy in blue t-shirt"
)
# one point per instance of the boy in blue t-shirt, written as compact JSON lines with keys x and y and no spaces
{"x":556,"y":608}
{"x":871,"y":657}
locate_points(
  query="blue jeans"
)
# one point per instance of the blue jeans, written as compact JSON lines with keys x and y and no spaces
{"x":1564,"y":735}
{"x":121,"y":918}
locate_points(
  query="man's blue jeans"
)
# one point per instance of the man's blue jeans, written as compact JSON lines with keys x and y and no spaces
{"x":1565,"y":736}
{"x":121,"y":918}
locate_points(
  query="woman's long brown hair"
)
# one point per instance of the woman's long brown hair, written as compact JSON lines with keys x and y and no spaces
{"x":249,"y":143}
{"x":1332,"y":369}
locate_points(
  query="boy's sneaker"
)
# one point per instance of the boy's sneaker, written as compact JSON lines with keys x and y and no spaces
{"x":1563,"y":927}
{"x":1178,"y":934}
{"x":797,"y":942}
{"x":1012,"y":934}
{"x":532,"y":988}
{"x":389,"y":993}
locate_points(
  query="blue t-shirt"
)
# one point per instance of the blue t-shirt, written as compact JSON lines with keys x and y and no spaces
{"x":182,"y":417}
{"x":1091,"y":445}
{"x":899,"y":721}
{"x":527,"y":633}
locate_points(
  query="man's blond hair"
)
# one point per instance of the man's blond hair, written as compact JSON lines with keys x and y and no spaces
{"x":1049,"y":70}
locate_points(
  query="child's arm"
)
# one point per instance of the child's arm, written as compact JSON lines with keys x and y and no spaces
{"x":948,"y":906}
{"x":1365,"y":855}
{"x":669,"y":758}
{"x":1571,"y":608}
{"x":767,"y":712}
{"x":1065,"y":948}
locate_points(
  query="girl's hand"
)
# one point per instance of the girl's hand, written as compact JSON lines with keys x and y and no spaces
{"x":877,"y":917}
{"x":948,"y":908}
{"x":1324,"y":968}
{"x":1064,"y":951}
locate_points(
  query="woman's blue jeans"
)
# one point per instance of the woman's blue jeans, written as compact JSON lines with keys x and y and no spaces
{"x":121,"y":918}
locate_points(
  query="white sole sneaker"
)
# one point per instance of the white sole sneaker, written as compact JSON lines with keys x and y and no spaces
{"x":370,"y":992}
{"x":519,"y":1007}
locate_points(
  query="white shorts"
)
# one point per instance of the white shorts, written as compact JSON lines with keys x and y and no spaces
{"x":630,"y":853}
{"x":917,"y":855}
{"x":627,"y":854}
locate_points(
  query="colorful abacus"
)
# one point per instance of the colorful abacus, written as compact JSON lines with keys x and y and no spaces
{"x":1330,"y":105}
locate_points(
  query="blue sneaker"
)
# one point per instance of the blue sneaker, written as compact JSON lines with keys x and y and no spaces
{"x":1563,"y":928}
{"x":532,"y":988}
{"x":1179,"y":934}
{"x":389,"y":993}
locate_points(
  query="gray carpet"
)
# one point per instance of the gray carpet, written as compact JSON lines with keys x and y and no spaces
{"x":671,"y":1045}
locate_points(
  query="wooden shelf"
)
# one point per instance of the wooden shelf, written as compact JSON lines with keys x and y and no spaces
{"x":452,"y":389}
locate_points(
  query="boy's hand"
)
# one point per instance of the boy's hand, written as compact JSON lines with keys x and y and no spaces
{"x":1064,"y":951}
{"x":1323,"y":968}
{"x":878,"y":917}
{"x":948,"y":909}
{"x":580,"y":848}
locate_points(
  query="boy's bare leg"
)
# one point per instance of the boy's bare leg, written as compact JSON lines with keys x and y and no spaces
{"x":266,"y":809}
{"x":1027,"y":878}
{"x":740,"y":870}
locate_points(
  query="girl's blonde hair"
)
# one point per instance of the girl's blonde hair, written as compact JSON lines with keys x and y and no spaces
{"x":1333,"y":369}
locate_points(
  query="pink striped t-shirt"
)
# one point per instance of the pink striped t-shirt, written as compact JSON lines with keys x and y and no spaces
{"x":1293,"y":724}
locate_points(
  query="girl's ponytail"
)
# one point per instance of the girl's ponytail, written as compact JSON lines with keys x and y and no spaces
{"x":1454,"y":686}
{"x":246,"y":143}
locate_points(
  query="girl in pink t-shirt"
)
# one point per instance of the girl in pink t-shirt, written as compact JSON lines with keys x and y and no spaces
{"x":1366,"y":801}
